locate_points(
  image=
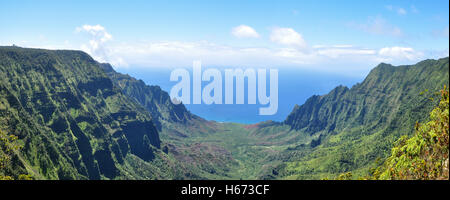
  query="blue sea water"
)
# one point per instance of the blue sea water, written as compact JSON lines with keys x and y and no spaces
{"x":295,"y":87}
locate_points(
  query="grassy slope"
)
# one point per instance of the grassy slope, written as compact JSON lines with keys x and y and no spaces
{"x":230,"y":152}
{"x":346,"y":130}
{"x":72,"y":122}
{"x":366,"y":121}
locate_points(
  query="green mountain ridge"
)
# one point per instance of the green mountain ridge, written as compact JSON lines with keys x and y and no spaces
{"x":155,"y":100}
{"x":353,"y":127}
{"x":177,"y":126}
{"x":79,"y":119}
{"x":173,"y":118}
{"x":72,"y":121}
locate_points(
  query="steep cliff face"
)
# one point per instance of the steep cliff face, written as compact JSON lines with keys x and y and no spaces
{"x":78,"y":119}
{"x":155,"y":100}
{"x":170,"y":118}
{"x":317,"y":112}
{"x":73,"y":122}
{"x":350,"y":128}
{"x":389,"y":95}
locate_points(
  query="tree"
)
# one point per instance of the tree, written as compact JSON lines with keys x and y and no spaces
{"x":425,"y":155}
{"x":8,"y":145}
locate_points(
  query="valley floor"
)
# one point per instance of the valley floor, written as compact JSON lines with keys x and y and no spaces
{"x":232,"y":151}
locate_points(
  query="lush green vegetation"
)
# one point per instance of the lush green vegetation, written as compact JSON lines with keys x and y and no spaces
{"x":354,"y":127}
{"x":78,"y":119}
{"x":156,"y":101}
{"x":8,"y":150}
{"x":344,"y":131}
{"x":8,"y":146}
{"x":71,"y":120}
{"x":425,"y":155}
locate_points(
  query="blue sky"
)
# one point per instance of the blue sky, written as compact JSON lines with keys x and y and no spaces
{"x":341,"y":36}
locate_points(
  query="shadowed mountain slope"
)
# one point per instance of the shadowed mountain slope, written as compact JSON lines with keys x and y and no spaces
{"x":351,"y":128}
{"x":71,"y":119}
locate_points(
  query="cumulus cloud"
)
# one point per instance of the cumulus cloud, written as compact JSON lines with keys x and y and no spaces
{"x":288,"y":36}
{"x":339,"y":58}
{"x":171,"y":54}
{"x":97,"y":46}
{"x":336,"y":51}
{"x":98,"y":31}
{"x":244,"y":31}
{"x":399,"y":53}
{"x":378,"y":26}
{"x":290,"y":53}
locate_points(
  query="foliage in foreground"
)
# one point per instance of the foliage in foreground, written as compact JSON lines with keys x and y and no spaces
{"x":8,"y":145}
{"x":424,"y":156}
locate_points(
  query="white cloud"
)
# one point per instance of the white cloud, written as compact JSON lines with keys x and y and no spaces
{"x":97,"y":31}
{"x":171,"y":54}
{"x":97,"y":46}
{"x":244,"y":31}
{"x":333,"y":46}
{"x":378,"y":26}
{"x":401,"y":11}
{"x":399,"y":53}
{"x":337,"y":51}
{"x":340,"y":58}
{"x":287,"y":36}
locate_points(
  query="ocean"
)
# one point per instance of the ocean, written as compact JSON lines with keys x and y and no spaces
{"x":295,"y":86}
